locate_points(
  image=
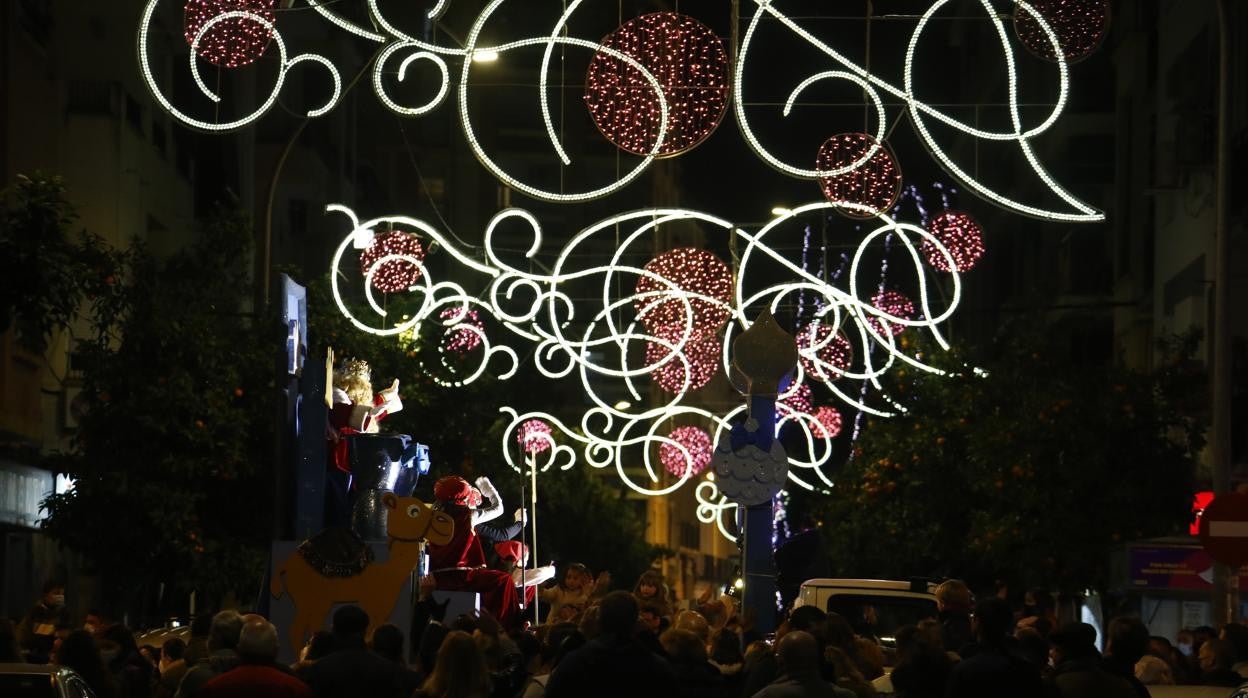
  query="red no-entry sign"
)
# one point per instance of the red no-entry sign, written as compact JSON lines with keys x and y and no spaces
{"x":1224,"y":529}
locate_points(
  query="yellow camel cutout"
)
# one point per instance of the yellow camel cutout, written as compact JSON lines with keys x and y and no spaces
{"x":376,"y":589}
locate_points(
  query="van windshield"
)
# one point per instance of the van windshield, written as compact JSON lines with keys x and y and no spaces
{"x":878,"y":617}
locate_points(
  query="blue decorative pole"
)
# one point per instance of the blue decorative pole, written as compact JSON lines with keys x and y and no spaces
{"x":750,"y":464}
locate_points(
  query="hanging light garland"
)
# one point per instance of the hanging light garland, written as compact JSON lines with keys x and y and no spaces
{"x":533,"y":436}
{"x":703,"y":358}
{"x":233,"y":42}
{"x":393,"y":275}
{"x":875,"y":183}
{"x":688,"y":270}
{"x":696,"y":441}
{"x":461,"y":340}
{"x":796,"y":399}
{"x":825,"y":353}
{"x":895,"y":305}
{"x":961,"y":235}
{"x":690,"y":63}
{"x":1080,"y":26}
{"x":828,"y":421}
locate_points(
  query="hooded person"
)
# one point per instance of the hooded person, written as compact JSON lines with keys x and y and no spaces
{"x":460,"y":564}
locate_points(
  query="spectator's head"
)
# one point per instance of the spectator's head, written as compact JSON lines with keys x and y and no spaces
{"x":201,"y":626}
{"x":1216,"y":655}
{"x":953,"y":596}
{"x":683,"y":647}
{"x":553,"y":640}
{"x":799,"y":654}
{"x":53,"y":593}
{"x":257,"y":642}
{"x":79,"y":652}
{"x":992,"y":620}
{"x":695,"y":623}
{"x":590,"y":622}
{"x":839,"y":633}
{"x":116,"y":643}
{"x":388,"y":642}
{"x":812,"y":620}
{"x":93,"y":621}
{"x":650,"y":586}
{"x":617,"y":614}
{"x":1154,"y":671}
{"x":350,"y":621}
{"x":1127,"y":639}
{"x":726,"y":648}
{"x":430,"y":640}
{"x":171,"y":651}
{"x":226,"y":627}
{"x":1237,"y":635}
{"x":459,"y":670}
{"x":575,"y":577}
{"x":1160,"y":647}
{"x":1037,"y":602}
{"x":651,"y":617}
{"x":1073,"y":642}
{"x":870,"y":658}
{"x":320,"y":644}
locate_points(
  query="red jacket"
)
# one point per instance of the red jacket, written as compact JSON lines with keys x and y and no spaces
{"x":255,"y":681}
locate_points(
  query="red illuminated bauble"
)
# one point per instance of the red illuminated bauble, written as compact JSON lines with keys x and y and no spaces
{"x":459,"y":338}
{"x":876,"y":183}
{"x":828,"y":422}
{"x":533,"y":436}
{"x":689,"y":62}
{"x":961,"y":235}
{"x":896,"y":305}
{"x":1080,"y":26}
{"x":703,"y":357}
{"x":825,"y":353}
{"x":232,"y":42}
{"x":688,"y":270}
{"x":393,"y":275}
{"x":696,"y":441}
{"x":796,"y":399}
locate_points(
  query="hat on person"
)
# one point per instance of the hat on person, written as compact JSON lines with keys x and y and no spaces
{"x":456,"y":490}
{"x":513,"y":549}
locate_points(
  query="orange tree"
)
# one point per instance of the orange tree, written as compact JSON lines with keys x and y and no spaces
{"x":1029,"y":470}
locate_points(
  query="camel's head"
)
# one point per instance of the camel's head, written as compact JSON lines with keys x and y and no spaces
{"x":411,"y":520}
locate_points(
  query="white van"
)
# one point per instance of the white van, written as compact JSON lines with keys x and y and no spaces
{"x":874,"y":607}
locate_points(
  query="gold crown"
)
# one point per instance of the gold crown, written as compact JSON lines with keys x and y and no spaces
{"x":354,"y":368}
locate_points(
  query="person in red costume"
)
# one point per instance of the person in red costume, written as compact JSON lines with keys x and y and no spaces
{"x":460,"y":564}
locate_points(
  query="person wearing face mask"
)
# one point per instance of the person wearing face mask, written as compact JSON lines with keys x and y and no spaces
{"x":37,"y":633}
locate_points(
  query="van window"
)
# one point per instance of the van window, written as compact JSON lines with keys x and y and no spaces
{"x":878,"y":617}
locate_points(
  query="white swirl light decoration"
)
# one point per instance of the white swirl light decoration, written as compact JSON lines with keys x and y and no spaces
{"x":396,"y":41}
{"x":919,"y":110}
{"x":284,"y":66}
{"x":599,"y":340}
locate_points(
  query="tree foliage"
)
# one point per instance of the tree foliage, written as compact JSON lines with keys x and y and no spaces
{"x":1029,"y":473}
{"x":46,"y":271}
{"x":172,"y":459}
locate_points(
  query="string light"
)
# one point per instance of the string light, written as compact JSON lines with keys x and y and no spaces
{"x":534,"y":436}
{"x":700,"y":363}
{"x":464,"y":329}
{"x":960,"y":236}
{"x":1080,"y":26}
{"x":876,"y":184}
{"x":696,"y":444}
{"x":234,"y":42}
{"x":397,"y":257}
{"x":894,"y":305}
{"x":825,"y":353}
{"x":682,"y":273}
{"x":689,"y":61}
{"x":828,"y":421}
{"x":796,"y":399}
